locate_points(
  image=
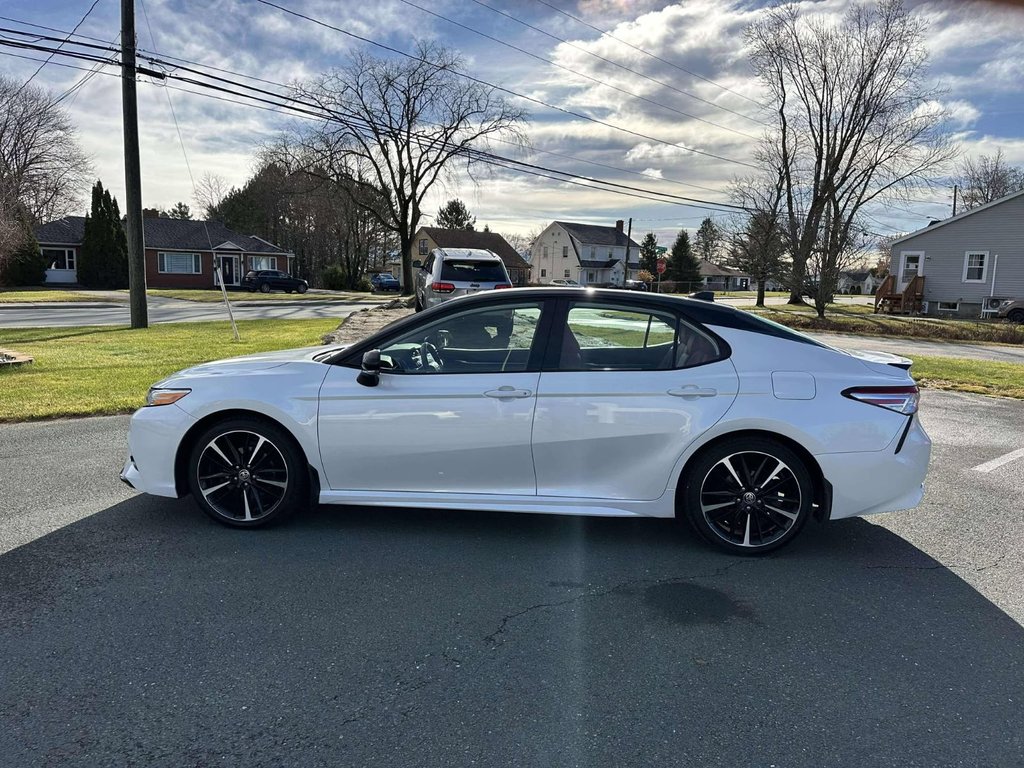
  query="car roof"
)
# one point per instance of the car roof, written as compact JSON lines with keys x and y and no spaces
{"x":474,"y":254}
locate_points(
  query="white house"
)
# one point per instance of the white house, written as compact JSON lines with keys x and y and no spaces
{"x":586,"y":253}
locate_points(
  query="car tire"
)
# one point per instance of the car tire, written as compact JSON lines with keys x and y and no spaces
{"x":264,"y":287}
{"x":302,"y":288}
{"x":1016,"y":316}
{"x":748,"y":496}
{"x":247,"y":472}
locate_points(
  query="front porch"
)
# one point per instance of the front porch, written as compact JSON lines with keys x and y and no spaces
{"x":891,"y":300}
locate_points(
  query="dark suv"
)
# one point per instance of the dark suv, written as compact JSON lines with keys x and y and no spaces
{"x":267,"y":280}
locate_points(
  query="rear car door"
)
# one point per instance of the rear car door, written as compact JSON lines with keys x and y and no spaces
{"x":626,"y":387}
{"x":453,"y":410}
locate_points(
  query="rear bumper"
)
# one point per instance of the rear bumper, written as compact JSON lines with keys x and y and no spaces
{"x":153,"y":440}
{"x":871,"y":482}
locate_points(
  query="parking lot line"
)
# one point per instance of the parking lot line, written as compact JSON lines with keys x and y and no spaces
{"x":997,"y":462}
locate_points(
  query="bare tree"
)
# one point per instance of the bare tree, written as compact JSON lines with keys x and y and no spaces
{"x":855,"y":119}
{"x":400,"y":126}
{"x":209,"y":193}
{"x":43,"y":170}
{"x":988,"y":178}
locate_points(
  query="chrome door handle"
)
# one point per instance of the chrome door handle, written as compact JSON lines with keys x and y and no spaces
{"x":507,"y":393}
{"x":691,"y":391}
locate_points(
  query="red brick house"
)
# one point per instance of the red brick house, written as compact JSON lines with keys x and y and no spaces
{"x":180,"y":253}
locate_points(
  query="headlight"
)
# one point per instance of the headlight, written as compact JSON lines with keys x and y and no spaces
{"x":165,"y":396}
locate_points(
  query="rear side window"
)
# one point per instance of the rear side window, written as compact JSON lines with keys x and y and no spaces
{"x":458,"y":270}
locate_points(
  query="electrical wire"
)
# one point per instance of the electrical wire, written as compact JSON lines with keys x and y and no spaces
{"x":40,"y":68}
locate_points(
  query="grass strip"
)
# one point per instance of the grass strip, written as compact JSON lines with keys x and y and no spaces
{"x":91,"y":371}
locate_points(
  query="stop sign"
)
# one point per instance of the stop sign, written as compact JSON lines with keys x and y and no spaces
{"x":661,"y":266}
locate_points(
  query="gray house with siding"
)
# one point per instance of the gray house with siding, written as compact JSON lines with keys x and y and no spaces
{"x":969,"y":262}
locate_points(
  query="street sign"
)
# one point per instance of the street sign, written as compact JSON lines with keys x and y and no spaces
{"x":661,"y":266}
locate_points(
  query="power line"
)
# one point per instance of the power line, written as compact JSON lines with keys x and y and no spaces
{"x":503,"y":89}
{"x":577,"y":72}
{"x":647,"y":53}
{"x":40,"y":68}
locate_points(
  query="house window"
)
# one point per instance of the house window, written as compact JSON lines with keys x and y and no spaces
{"x":611,"y":253}
{"x":565,"y":251}
{"x":545,"y":251}
{"x":59,"y":258}
{"x":590,"y":277}
{"x":264,"y":262}
{"x":948,"y":306}
{"x":180,"y":263}
{"x":543,"y":273}
{"x":593,"y":251}
{"x":423,"y":247}
{"x":975,"y":266}
{"x":567,"y":273}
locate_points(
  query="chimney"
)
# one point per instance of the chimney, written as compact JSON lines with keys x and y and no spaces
{"x":619,"y":224}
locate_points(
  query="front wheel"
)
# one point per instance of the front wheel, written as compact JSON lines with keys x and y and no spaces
{"x":748,"y":495}
{"x":246,"y":473}
{"x":1016,"y":316}
{"x":265,"y":288}
{"x":302,"y":289}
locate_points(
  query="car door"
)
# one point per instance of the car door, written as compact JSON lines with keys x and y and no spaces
{"x":625,"y":389}
{"x":452,"y":412}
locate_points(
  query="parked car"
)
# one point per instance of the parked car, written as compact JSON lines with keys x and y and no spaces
{"x":451,"y":272}
{"x":553,"y":401}
{"x":267,"y":280}
{"x":384,"y":281}
{"x":564,"y":282}
{"x":636,"y":285}
{"x":1012,"y":310}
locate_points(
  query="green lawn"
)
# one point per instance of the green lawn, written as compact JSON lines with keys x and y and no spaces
{"x":210,"y":295}
{"x":28,"y":295}
{"x":96,"y":370}
{"x":844,"y":319}
{"x":978,"y":376}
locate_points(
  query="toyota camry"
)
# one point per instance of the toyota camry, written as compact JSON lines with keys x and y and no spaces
{"x":553,"y":400}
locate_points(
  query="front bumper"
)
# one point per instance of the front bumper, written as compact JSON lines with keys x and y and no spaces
{"x":153,"y":439}
{"x":871,"y":482}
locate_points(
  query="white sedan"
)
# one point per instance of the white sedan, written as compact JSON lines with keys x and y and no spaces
{"x":555,"y":400}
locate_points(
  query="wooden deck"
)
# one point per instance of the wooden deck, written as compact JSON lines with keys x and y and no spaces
{"x":891,"y":301}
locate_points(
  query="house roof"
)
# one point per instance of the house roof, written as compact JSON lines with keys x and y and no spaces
{"x":858,"y":276}
{"x":591,"y":234}
{"x":165,"y":233}
{"x":937,"y":224}
{"x":468,"y":238}
{"x":599,"y":263}
{"x":707,"y":269}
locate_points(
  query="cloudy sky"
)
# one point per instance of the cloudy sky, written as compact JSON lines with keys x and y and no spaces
{"x":675,"y":73}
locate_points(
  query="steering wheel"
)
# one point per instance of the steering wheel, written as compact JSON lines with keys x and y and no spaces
{"x":427,"y":351}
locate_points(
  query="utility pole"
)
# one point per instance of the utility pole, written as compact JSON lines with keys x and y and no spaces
{"x":629,"y":236}
{"x":132,"y":174}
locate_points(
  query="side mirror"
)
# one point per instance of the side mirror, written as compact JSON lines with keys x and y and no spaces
{"x":417,"y":264}
{"x":369,"y":376}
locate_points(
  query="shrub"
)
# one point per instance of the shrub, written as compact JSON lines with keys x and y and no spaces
{"x":26,"y":266}
{"x":334,"y":279}
{"x":364,"y":285}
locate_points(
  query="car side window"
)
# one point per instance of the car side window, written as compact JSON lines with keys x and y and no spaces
{"x":615,"y":338}
{"x":484,"y":340}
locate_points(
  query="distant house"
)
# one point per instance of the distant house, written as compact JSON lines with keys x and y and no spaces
{"x":967,"y":263}
{"x":718,"y":278}
{"x":858,"y":282}
{"x":180,"y":253}
{"x":586,"y":253}
{"x":428,"y":238}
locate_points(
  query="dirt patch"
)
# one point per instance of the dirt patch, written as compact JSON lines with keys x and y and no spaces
{"x":10,"y":358}
{"x":361,"y":324}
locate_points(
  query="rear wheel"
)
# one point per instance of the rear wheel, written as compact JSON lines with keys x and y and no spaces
{"x":748,"y":495}
{"x":1016,"y":316}
{"x":246,"y":473}
{"x":264,"y":287}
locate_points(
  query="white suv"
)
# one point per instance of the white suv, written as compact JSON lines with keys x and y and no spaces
{"x":451,"y":272}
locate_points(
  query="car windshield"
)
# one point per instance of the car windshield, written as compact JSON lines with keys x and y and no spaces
{"x":463,"y":270}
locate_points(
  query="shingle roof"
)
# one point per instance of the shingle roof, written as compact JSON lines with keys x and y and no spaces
{"x":66,"y":231}
{"x":163,"y":233}
{"x":468,"y":238}
{"x":601,"y":264}
{"x":591,"y":234}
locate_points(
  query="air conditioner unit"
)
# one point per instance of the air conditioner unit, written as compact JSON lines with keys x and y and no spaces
{"x":992,"y":302}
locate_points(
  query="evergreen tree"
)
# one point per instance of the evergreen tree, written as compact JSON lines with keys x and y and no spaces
{"x":649,"y":253}
{"x":759,"y":250}
{"x":455,"y":215}
{"x":708,"y":241}
{"x":26,"y":265}
{"x":179,"y":211}
{"x":683,"y":266}
{"x":103,"y":262}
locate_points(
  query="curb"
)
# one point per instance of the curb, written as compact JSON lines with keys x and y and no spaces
{"x":62,"y":305}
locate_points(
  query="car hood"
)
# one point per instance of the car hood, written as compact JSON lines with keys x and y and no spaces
{"x":261,"y":361}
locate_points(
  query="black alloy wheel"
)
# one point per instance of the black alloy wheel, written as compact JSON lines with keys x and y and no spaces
{"x":246,"y":473}
{"x":749,"y":496}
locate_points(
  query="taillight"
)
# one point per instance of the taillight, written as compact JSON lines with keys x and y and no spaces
{"x":502,"y":285}
{"x":900,"y":399}
{"x":442,"y":287}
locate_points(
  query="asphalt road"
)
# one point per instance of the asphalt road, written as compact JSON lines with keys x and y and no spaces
{"x":133,"y":631}
{"x":167,"y":311}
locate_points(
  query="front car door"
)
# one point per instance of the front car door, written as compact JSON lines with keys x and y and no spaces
{"x":628,"y":388}
{"x":453,"y":411}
